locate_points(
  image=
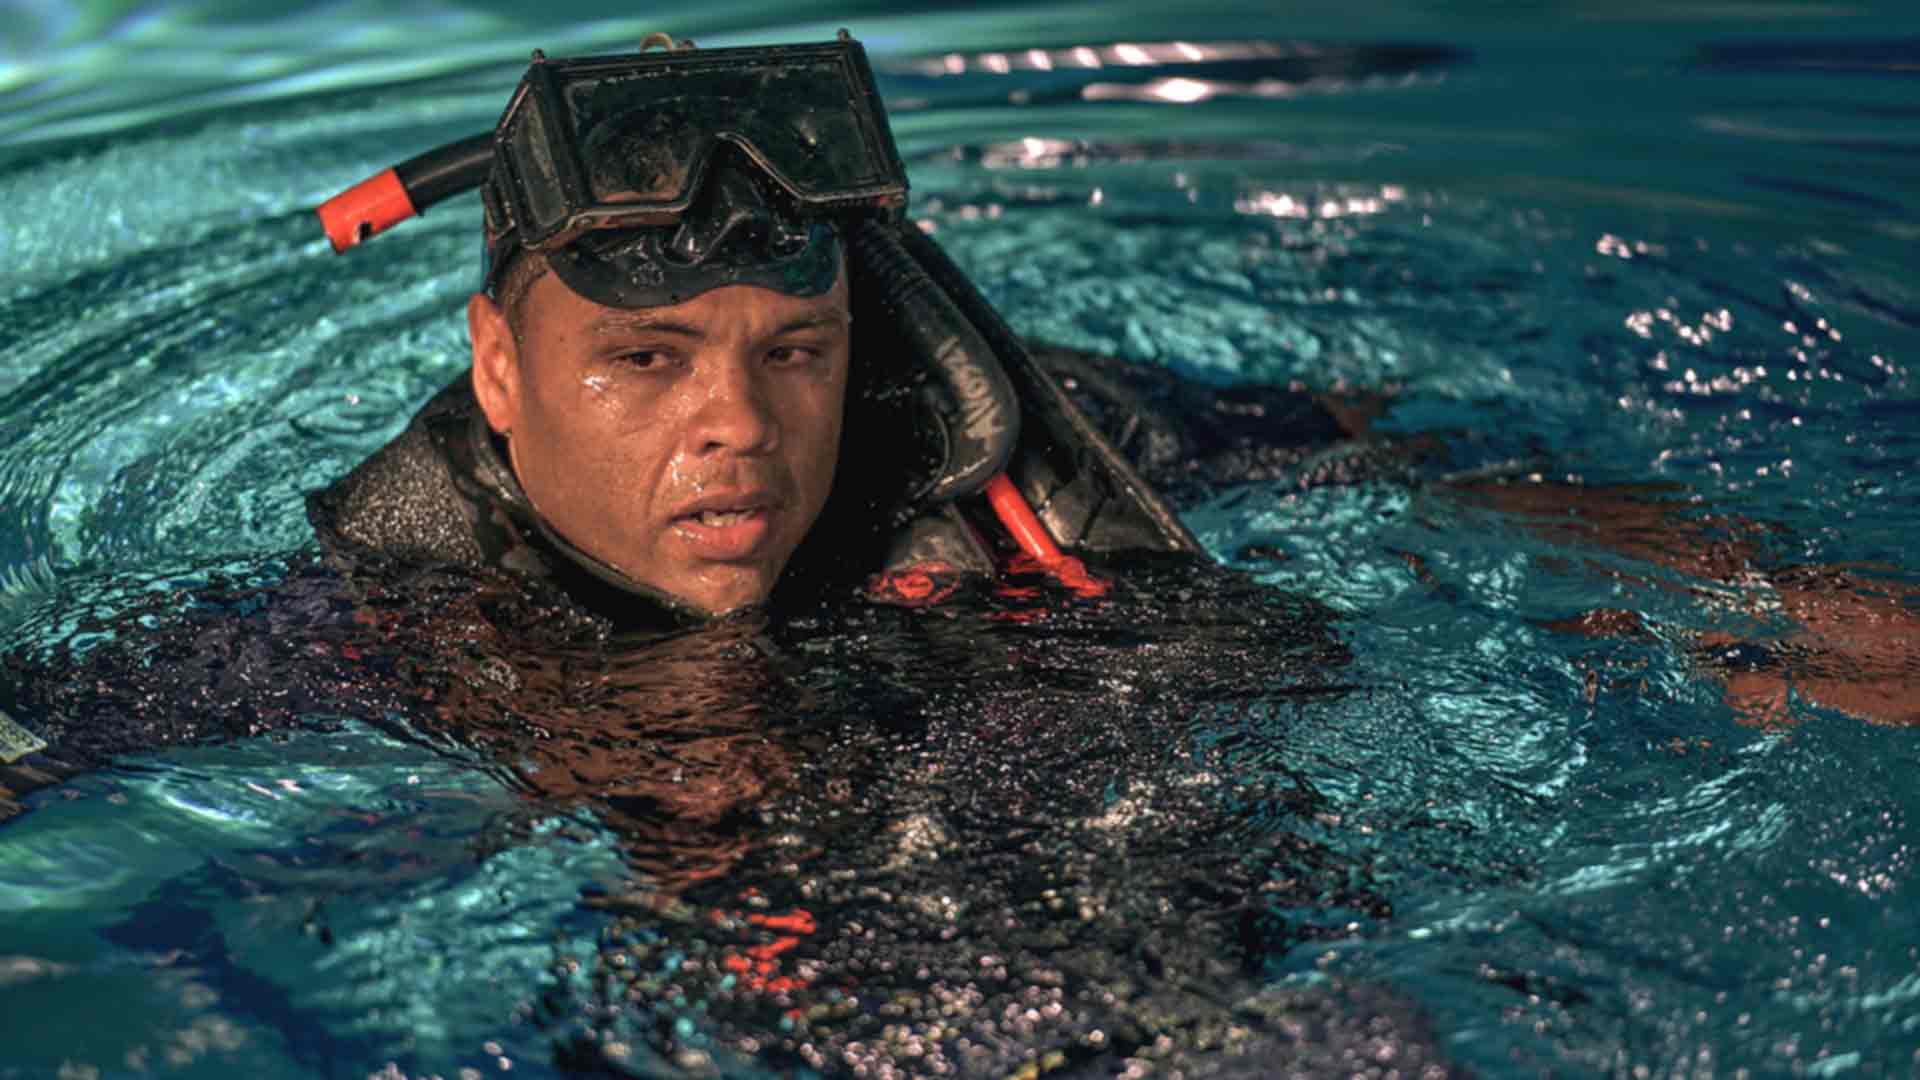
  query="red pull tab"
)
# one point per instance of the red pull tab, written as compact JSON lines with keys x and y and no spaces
{"x":371,"y":206}
{"x":919,"y":585}
{"x":1012,"y":509}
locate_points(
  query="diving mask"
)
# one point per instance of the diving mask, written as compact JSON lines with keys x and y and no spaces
{"x":623,"y":141}
{"x":619,"y":142}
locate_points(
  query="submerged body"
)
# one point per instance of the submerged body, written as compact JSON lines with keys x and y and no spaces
{"x":861,"y":834}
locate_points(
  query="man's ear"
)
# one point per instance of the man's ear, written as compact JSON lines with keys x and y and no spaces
{"x":496,"y":363}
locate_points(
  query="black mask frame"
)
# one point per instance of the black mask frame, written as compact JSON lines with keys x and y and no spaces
{"x":617,"y":142}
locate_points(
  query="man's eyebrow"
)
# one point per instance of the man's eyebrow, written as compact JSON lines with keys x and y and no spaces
{"x":824,"y":319}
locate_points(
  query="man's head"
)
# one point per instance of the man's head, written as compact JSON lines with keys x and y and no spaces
{"x":691,"y":446}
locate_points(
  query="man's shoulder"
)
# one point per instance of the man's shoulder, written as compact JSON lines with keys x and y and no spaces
{"x":407,"y":498}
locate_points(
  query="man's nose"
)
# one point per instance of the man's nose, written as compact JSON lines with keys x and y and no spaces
{"x":736,"y":411}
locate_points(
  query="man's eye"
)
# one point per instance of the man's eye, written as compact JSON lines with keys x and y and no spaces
{"x":646,"y":358}
{"x":791,"y":355}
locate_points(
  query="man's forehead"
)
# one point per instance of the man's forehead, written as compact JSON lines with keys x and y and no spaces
{"x":749,"y":308}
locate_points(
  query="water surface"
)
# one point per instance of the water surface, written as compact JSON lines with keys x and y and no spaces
{"x":1663,"y":245}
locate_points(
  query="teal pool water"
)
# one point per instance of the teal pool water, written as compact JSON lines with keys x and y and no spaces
{"x":1649,"y":245}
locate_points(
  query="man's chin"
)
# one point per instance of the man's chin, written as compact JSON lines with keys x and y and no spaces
{"x":721,"y":590}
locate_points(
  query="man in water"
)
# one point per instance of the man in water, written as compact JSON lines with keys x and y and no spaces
{"x":758,"y":383}
{"x":672,"y":420}
{"x":669,"y":399}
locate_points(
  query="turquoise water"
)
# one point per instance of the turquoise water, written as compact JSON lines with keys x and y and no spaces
{"x":1608,"y":244}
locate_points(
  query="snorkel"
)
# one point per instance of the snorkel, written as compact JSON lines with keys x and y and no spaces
{"x":632,"y":175}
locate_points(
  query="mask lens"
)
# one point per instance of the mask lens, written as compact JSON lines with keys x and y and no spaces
{"x":647,"y":155}
{"x":546,"y":205}
{"x":814,"y":138}
{"x":643,"y":136}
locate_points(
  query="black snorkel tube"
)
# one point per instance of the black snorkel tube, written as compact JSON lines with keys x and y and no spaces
{"x":380,"y":202}
{"x":1055,"y":428}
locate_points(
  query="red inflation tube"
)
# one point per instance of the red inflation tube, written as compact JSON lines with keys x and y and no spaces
{"x":1011,"y":508}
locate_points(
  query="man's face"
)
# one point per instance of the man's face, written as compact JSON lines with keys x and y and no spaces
{"x":691,"y":447}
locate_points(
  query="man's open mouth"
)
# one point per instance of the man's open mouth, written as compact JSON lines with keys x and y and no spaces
{"x":719,"y":519}
{"x":728,"y":528}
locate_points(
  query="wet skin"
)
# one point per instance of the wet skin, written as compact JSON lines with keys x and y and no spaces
{"x":691,"y":447}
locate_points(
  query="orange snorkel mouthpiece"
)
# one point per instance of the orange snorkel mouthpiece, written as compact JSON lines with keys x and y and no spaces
{"x":366,"y":209}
